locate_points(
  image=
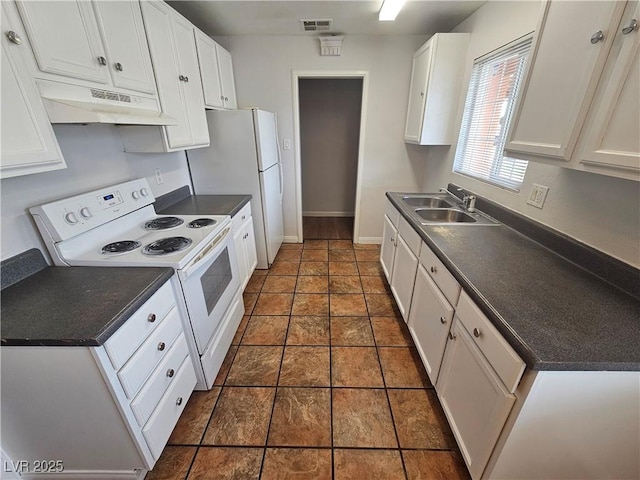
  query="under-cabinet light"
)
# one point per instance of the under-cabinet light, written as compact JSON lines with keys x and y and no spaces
{"x":389,"y":10}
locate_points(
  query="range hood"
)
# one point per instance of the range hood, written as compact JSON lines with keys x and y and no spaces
{"x":66,"y":103}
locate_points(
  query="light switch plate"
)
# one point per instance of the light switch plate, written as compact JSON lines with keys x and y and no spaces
{"x":286,"y":144}
{"x":158,"y":174}
{"x":538,"y":195}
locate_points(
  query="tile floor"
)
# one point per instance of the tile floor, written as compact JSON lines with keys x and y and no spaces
{"x":322,"y":381}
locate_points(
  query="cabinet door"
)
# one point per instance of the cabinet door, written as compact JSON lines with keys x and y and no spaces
{"x":225,"y":66}
{"x":473,"y":399}
{"x":613,"y":137}
{"x":563,"y":71}
{"x":209,"y":74}
{"x":125,"y":41}
{"x":28,"y":141}
{"x":243,"y":269}
{"x":250,"y":247}
{"x":192,"y":86}
{"x":388,"y":247}
{"x":65,"y":39}
{"x":417,"y":94}
{"x":429,"y":322}
{"x":159,"y":26}
{"x":405,"y":264}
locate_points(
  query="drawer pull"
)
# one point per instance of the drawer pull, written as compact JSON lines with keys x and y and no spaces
{"x":443,"y":320}
{"x":477,"y":332}
{"x":452,"y":336}
{"x":597,"y":37}
{"x":170,"y":372}
{"x":179,"y":401}
{"x":161,"y":346}
{"x":151,"y":318}
{"x":433,"y":269}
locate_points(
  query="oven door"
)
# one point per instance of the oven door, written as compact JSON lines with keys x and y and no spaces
{"x":209,"y":283}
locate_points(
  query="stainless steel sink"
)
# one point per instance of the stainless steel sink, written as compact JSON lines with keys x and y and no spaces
{"x":426,"y":202}
{"x":444,"y":215}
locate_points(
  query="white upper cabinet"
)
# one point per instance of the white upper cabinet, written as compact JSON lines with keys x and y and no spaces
{"x":436,"y":78}
{"x":175,"y":63}
{"x":579,"y":103}
{"x":99,"y":42}
{"x":216,"y":71}
{"x":28,"y":142}
{"x":126,"y":46}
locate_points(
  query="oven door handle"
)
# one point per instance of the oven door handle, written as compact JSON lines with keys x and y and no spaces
{"x":190,"y":267}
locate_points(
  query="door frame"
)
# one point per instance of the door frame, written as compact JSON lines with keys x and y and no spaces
{"x":296,"y":75}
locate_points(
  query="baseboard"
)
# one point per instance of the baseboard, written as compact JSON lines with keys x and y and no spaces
{"x":88,"y":475}
{"x":291,"y":239}
{"x":327,"y":214}
{"x":370,"y":240}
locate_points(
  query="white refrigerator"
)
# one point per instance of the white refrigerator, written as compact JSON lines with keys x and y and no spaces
{"x":244,"y":158}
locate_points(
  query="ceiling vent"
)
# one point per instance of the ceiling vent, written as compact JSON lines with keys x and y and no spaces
{"x":323,"y":25}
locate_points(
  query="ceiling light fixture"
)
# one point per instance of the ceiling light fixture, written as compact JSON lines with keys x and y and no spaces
{"x":389,"y":10}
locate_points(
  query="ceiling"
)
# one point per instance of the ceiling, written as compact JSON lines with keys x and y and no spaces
{"x":350,"y":17}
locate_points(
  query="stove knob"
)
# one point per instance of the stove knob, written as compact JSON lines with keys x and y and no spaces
{"x":135,"y":194}
{"x":71,"y":218}
{"x":144,"y":192}
{"x":85,"y":213}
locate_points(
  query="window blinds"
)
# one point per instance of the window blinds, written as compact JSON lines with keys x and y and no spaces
{"x":493,"y":88}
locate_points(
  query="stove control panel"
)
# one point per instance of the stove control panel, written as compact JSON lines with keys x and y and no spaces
{"x":72,"y":216}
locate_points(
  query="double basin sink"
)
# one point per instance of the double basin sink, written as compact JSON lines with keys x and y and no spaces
{"x":432,"y":209}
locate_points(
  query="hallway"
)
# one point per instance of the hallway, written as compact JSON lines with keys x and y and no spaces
{"x":322,"y":381}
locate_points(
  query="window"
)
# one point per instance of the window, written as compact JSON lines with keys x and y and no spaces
{"x":493,"y":88}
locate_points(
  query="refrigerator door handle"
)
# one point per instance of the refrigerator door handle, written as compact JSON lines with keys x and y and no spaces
{"x":281,"y":179}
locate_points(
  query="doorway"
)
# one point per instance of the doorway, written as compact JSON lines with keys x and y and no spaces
{"x":329,"y":137}
{"x":329,"y":108}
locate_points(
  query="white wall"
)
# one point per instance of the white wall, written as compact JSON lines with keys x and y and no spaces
{"x":95,"y":158}
{"x":601,"y":211}
{"x":263,"y":70}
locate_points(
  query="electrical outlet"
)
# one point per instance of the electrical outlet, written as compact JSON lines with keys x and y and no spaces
{"x":538,"y":195}
{"x":158,"y":175}
{"x":286,"y":144}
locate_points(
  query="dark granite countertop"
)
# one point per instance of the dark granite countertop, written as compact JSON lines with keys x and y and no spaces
{"x":553,"y":312}
{"x":181,"y":202}
{"x":75,"y":306}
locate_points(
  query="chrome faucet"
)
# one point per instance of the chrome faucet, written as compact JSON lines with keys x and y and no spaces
{"x":469,"y":203}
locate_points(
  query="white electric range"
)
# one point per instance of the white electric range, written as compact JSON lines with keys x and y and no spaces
{"x":118,"y":226}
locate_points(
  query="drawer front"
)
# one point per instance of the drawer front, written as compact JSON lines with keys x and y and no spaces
{"x":439,"y":273}
{"x":130,"y":336}
{"x":165,"y":417}
{"x":152,"y":351}
{"x":161,"y":379}
{"x":410,"y":236}
{"x":241,"y":217}
{"x":503,"y":359}
{"x":391,"y":212}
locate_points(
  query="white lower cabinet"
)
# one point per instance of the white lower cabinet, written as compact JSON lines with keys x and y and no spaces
{"x":245,"y":241}
{"x":473,"y":398}
{"x":429,"y":322}
{"x":399,"y":257}
{"x":118,"y":404}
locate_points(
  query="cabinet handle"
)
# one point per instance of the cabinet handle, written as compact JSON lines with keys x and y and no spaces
{"x":222,"y":97}
{"x":118,"y":66}
{"x":14,"y":37}
{"x":186,"y":79}
{"x":151,"y":318}
{"x":181,"y":78}
{"x":477,"y":332}
{"x":102,"y":61}
{"x":161,"y":346}
{"x":170,"y":372}
{"x":452,"y":336}
{"x":179,"y":401}
{"x":633,"y":25}
{"x":597,"y":37}
{"x":443,"y":320}
{"x":226,"y":99}
{"x":433,"y":269}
